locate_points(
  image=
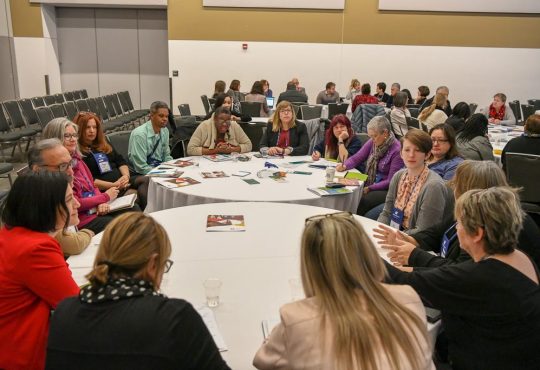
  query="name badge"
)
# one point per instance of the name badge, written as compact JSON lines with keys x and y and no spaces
{"x":103,"y":162}
{"x":89,"y":194}
{"x":396,"y":218}
{"x":446,"y":241}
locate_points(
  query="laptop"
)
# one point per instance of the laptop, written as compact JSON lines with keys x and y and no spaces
{"x":270,"y":102}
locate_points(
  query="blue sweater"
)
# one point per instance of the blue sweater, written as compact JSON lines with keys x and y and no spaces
{"x":446,"y":168}
{"x":352,"y":148}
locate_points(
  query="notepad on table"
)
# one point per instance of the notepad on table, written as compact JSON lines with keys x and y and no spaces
{"x":127,"y":201}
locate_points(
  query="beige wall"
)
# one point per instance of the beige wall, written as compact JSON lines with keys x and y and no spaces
{"x":26,"y":19}
{"x":360,"y":23}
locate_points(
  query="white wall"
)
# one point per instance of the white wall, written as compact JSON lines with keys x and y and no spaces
{"x":472,"y":74}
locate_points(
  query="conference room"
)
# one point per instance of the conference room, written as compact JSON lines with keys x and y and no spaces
{"x":317,"y":184}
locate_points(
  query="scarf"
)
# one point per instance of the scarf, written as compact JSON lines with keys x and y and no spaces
{"x":377,"y":152}
{"x":497,"y":115}
{"x":408,"y":190}
{"x":115,"y":289}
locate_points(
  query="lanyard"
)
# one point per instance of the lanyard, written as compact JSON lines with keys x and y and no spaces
{"x":85,"y":178}
{"x":412,"y":191}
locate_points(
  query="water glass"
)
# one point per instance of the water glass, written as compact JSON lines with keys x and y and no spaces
{"x":212,"y":287}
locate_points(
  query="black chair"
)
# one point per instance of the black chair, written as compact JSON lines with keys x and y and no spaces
{"x":18,"y":123}
{"x":184,"y":110}
{"x":205,"y":103}
{"x":516,"y":108}
{"x":473,"y":107}
{"x":84,"y":94}
{"x":126,"y":99}
{"x":59,"y":98}
{"x":45,"y":115}
{"x":412,"y":122}
{"x":335,"y":109}
{"x":68,"y":95}
{"x":414,"y":112}
{"x":92,"y":103}
{"x":132,"y":116}
{"x":109,"y":124}
{"x":77,"y":95}
{"x":363,"y":137}
{"x":254,"y":132}
{"x":115,"y":116}
{"x":296,"y":106}
{"x":71,"y":109}
{"x":38,"y":101}
{"x":49,"y":100}
{"x":120,"y":142}
{"x":251,"y":108}
{"x":58,"y":110}
{"x":7,"y":136}
{"x":528,"y":110}
{"x":5,"y":172}
{"x":409,"y":106}
{"x":212,"y":103}
{"x":82,"y":105}
{"x":535,"y":103}
{"x":523,"y":171}
{"x":311,"y":111}
{"x":29,"y":113}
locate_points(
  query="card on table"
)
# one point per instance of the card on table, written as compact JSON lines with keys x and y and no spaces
{"x":251,"y":181}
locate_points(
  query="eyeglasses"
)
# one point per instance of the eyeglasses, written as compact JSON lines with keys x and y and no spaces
{"x":224,"y":123}
{"x":329,"y":215}
{"x":441,"y":141}
{"x":286,"y":111}
{"x":62,"y":167}
{"x":71,"y":136}
{"x":168,"y":265}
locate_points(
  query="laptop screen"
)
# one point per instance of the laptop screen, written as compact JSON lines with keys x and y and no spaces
{"x":270,"y":102}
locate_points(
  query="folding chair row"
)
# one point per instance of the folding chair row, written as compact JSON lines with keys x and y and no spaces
{"x":48,"y":100}
{"x":13,"y":128}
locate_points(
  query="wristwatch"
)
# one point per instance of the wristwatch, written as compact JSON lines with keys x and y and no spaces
{"x":340,"y":142}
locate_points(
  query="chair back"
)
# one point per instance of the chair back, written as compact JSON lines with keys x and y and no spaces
{"x":523,"y":170}
{"x":363,"y":137}
{"x":415,"y":111}
{"x":102,"y":108}
{"x":409,"y":106}
{"x":528,"y":110}
{"x":93,"y":106}
{"x":472,"y":107}
{"x":251,"y":108}
{"x":49,"y":100}
{"x":120,"y":142}
{"x":107,"y":99}
{"x":82,"y":105}
{"x":77,"y":95}
{"x":84,"y":94}
{"x":311,"y":111}
{"x":71,"y":109}
{"x":123,"y":101}
{"x":28,"y":111}
{"x":412,"y":122}
{"x":117,"y":105}
{"x":4,"y":125}
{"x":335,"y":109}
{"x":254,"y":132}
{"x":38,"y":101}
{"x":58,"y":110}
{"x":127,"y":97}
{"x":14,"y":112}
{"x":535,"y":103}
{"x":59,"y":98}
{"x":44,"y":115}
{"x":68,"y":95}
{"x":205,"y":103}
{"x":516,"y":108}
{"x":184,"y":110}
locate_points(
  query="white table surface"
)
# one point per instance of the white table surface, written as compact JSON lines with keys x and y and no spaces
{"x":234,"y":189}
{"x":499,"y":136}
{"x":255,"y":266}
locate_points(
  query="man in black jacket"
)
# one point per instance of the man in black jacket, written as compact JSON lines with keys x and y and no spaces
{"x":440,"y":90}
{"x":292,"y":95}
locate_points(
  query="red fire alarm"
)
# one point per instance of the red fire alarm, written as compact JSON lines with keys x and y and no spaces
{"x":244,"y":46}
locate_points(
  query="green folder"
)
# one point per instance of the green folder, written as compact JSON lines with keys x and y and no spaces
{"x":356,"y":175}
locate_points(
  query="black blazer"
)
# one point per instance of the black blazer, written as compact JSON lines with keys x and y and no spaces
{"x":297,"y":135}
{"x":292,"y":96}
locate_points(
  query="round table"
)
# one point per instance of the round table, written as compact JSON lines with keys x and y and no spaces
{"x":499,"y":136}
{"x":255,"y":266}
{"x":234,"y":189}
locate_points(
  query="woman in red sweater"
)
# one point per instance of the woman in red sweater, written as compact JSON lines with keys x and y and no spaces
{"x":34,"y":277}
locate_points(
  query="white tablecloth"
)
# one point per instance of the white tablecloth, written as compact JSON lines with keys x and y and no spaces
{"x":234,"y":189}
{"x":255,"y":266}
{"x":499,"y":136}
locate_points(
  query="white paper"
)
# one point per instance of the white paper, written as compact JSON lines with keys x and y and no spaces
{"x":126,"y":201}
{"x":210,"y":320}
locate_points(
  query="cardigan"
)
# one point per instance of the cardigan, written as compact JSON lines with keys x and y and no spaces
{"x":478,"y":148}
{"x":436,"y":117}
{"x":398,"y":119}
{"x":299,"y":139}
{"x":353,"y":146}
{"x":509,"y":118}
{"x":83,"y":182}
{"x":143,"y":332}
{"x":387,"y":166}
{"x":34,"y":278}
{"x":295,"y":343}
{"x":446,"y":168}
{"x":434,"y":204}
{"x":115,"y":160}
{"x":205,"y":136}
{"x":490,"y":312}
{"x":141,"y":142}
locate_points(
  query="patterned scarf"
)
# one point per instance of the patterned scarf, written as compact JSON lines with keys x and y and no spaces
{"x":497,"y":115}
{"x":116,"y":289}
{"x":377,"y":152}
{"x":408,"y":190}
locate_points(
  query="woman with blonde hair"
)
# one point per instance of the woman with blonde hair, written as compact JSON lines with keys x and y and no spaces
{"x":354,"y":89}
{"x":120,"y":320}
{"x":350,"y":319}
{"x":490,"y":304}
{"x":434,"y":114}
{"x":285,"y":135}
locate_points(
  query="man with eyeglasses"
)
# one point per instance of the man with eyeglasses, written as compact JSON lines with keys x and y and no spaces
{"x":149,"y":143}
{"x":51,"y":155}
{"x":219,"y":135}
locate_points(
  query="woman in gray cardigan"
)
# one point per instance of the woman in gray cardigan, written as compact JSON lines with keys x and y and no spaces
{"x":498,"y":112}
{"x":472,"y":141}
{"x":417,"y":197}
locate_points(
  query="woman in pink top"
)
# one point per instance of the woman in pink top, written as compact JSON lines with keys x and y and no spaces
{"x":94,"y":210}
